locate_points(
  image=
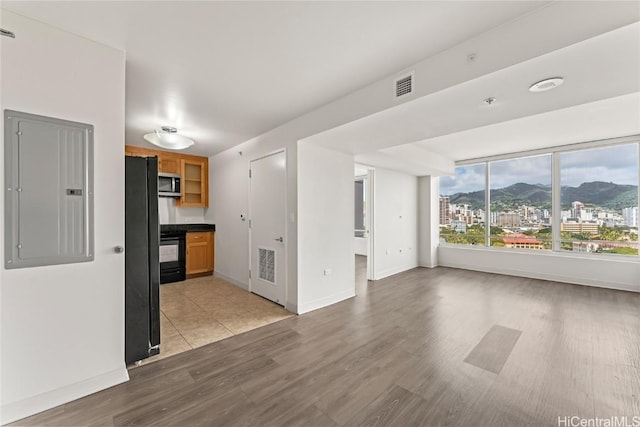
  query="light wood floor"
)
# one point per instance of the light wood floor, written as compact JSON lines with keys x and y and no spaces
{"x":426,"y":347}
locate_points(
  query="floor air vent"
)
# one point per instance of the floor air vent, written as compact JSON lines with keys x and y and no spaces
{"x":404,"y":85}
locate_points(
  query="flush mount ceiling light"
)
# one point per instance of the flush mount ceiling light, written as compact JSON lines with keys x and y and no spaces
{"x":168,"y":137}
{"x":546,"y":84}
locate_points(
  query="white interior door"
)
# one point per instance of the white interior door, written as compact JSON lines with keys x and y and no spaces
{"x":267,"y":220}
{"x":369,"y":224}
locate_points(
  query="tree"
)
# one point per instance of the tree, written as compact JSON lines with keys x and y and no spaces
{"x":581,"y":236}
{"x":610,"y":234}
{"x":496,"y":231}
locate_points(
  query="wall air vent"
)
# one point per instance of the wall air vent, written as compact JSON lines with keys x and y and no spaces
{"x":267,"y":265}
{"x":404,"y":85}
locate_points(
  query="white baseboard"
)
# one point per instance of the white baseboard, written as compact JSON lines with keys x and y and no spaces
{"x":599,"y":271}
{"x":543,"y":276}
{"x":395,"y":270}
{"x":293,"y":308}
{"x":326,"y":301}
{"x":427,"y":264}
{"x":20,"y":409}
{"x":231,"y":280}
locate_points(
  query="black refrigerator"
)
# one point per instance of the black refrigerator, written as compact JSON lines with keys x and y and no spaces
{"x":142,"y":268}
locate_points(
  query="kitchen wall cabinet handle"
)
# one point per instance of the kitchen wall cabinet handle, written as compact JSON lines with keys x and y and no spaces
{"x":118,"y":249}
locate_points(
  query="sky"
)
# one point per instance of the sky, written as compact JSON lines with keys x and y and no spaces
{"x":618,"y":164}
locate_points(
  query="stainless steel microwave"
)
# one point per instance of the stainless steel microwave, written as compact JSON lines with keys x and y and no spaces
{"x":169,"y":185}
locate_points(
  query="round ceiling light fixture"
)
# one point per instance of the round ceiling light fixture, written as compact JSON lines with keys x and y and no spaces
{"x":546,"y":84}
{"x":168,"y":137}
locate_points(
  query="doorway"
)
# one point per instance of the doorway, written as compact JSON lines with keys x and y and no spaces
{"x":364,"y":221}
{"x":267,"y":226}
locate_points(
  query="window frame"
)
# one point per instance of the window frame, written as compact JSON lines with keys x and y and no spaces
{"x":556,"y":206}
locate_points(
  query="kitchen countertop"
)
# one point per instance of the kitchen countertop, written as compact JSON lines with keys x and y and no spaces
{"x":187,"y":227}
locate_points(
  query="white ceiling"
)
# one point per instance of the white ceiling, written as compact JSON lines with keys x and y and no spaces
{"x":224,"y":72}
{"x":599,"y":99}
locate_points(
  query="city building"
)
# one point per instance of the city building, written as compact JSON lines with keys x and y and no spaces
{"x":445,"y":210}
{"x":510,"y":219}
{"x":630,"y":216}
{"x":459,"y":226}
{"x":579,"y":227}
{"x":576,"y":209}
{"x":522,"y":241}
{"x":584,"y":246}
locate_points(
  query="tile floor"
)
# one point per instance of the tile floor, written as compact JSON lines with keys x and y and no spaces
{"x":199,"y":311}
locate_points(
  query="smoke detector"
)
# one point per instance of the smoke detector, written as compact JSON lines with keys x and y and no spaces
{"x":546,"y":84}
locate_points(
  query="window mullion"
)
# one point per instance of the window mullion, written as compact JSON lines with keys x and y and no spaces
{"x":556,"y":207}
{"x":487,"y":207}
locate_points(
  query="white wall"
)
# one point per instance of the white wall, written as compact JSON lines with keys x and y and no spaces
{"x":498,"y":49}
{"x":229,"y":196}
{"x":395,"y":228}
{"x":428,"y":220}
{"x":361,"y":245}
{"x":62,"y":327}
{"x":229,"y":200}
{"x":169,"y":213}
{"x":326,"y":265}
{"x":583,"y":270}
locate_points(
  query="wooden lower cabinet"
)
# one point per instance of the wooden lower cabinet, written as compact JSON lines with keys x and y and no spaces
{"x":200,"y":253}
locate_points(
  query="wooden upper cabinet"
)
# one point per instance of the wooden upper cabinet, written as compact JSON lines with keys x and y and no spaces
{"x":194,"y":171}
{"x":132,"y":150}
{"x":169,"y":163}
{"x":195,"y":189}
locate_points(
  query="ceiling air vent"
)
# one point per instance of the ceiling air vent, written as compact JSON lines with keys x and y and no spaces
{"x":404,"y":85}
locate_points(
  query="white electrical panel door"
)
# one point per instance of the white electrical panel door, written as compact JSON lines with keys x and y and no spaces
{"x":49,"y":191}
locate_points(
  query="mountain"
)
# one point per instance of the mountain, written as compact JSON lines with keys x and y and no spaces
{"x":598,"y":193}
{"x":605,"y":194}
{"x":475,"y":199}
{"x":514,"y":195}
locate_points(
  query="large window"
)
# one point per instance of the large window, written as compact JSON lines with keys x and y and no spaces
{"x":599,"y":200}
{"x":583,"y":199}
{"x":462,"y":206}
{"x":520,"y":201}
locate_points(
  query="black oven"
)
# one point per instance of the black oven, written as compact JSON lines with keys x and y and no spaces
{"x":172,"y":256}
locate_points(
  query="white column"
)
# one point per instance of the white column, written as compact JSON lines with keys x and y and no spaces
{"x":428,"y":220}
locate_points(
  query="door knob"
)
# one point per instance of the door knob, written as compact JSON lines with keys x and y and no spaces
{"x":118,"y":249}
{"x":279,"y":239}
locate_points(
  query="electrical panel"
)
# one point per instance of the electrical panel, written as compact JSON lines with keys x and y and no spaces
{"x":48,"y":181}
